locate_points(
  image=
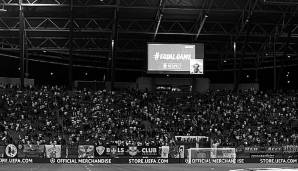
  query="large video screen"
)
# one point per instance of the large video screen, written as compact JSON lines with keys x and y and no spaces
{"x":175,"y":58}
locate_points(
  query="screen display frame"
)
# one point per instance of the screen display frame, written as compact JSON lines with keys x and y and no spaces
{"x":199,"y":54}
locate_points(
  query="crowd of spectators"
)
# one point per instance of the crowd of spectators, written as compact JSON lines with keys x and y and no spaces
{"x":51,"y":115}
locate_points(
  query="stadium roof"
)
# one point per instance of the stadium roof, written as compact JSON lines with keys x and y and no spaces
{"x":254,"y":24}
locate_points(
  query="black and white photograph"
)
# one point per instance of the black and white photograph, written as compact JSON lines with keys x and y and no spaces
{"x":148,"y":85}
{"x":196,"y":66}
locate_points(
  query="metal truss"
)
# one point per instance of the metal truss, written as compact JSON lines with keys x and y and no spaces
{"x":133,"y":26}
{"x":189,"y":5}
{"x":92,"y":34}
{"x":58,"y":3}
{"x":92,"y":45}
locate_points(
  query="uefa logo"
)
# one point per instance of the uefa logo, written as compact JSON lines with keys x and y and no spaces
{"x":52,"y":160}
{"x":11,"y":150}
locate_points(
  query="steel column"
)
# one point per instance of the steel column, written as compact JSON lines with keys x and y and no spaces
{"x":21,"y":43}
{"x":235,"y":66}
{"x":114,"y":43}
{"x":274,"y":60}
{"x":70,"y":64}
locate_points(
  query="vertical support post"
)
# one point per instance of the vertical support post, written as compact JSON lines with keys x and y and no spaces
{"x":27,"y":62}
{"x":21,"y":43}
{"x":70,"y":64}
{"x":235,"y":66}
{"x":257,"y":69}
{"x":114,"y":43}
{"x":26,"y":55}
{"x":274,"y":60}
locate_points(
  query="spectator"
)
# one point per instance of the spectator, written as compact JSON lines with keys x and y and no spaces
{"x":51,"y":115}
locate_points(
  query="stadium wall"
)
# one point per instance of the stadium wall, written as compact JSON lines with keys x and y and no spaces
{"x":199,"y":84}
{"x":78,"y":154}
{"x":144,"y":83}
{"x":16,"y":81}
{"x":124,"y":85}
{"x":245,"y":86}
{"x":95,"y":85}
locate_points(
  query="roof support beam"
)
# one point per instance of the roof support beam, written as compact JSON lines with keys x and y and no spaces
{"x":158,"y":17}
{"x":203,"y":16}
{"x":281,"y":2}
{"x":141,"y":70}
{"x":201,"y":26}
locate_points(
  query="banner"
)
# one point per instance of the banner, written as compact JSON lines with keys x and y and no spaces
{"x":267,"y":152}
{"x":133,"y":151}
{"x":115,"y":151}
{"x":176,"y":151}
{"x":21,"y":153}
{"x":53,"y":151}
{"x":64,"y":151}
{"x":71,"y":151}
{"x":165,"y":151}
{"x":109,"y":151}
{"x":290,"y":149}
{"x":86,"y":151}
{"x":268,"y":149}
{"x":32,"y":150}
{"x":54,"y":161}
{"x":190,"y":141}
{"x":126,"y":151}
{"x":264,"y":152}
{"x":149,"y":151}
{"x":100,"y":151}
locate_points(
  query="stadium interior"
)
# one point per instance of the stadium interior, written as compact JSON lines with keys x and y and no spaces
{"x":148,"y":85}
